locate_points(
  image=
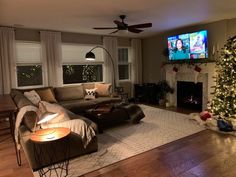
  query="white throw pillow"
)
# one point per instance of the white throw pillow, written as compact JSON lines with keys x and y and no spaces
{"x":33,"y":97}
{"x":90,"y":94}
{"x":54,"y":108}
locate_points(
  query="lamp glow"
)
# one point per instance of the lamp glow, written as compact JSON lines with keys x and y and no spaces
{"x":47,"y":116}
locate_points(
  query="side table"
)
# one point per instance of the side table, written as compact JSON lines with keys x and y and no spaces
{"x":8,"y":109}
{"x":46,"y":143}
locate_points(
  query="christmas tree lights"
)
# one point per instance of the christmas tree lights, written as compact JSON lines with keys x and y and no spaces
{"x":224,"y":100}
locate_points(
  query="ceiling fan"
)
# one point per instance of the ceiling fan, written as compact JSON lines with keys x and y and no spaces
{"x":121,"y":25}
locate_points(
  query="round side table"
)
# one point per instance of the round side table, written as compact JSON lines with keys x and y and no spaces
{"x":48,"y":145}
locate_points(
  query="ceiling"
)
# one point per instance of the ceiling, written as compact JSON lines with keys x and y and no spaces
{"x":81,"y":16}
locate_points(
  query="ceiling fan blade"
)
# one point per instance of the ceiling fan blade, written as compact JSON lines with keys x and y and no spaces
{"x":105,"y":28}
{"x":133,"y":30}
{"x":114,"y":31}
{"x":144,"y":25}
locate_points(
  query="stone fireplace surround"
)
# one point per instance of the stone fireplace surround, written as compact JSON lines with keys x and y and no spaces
{"x":186,"y":73}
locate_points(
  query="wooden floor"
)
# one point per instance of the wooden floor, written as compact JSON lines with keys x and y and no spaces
{"x":205,"y":154}
{"x":8,"y":164}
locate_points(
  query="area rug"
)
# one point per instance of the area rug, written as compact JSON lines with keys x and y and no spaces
{"x":157,"y":128}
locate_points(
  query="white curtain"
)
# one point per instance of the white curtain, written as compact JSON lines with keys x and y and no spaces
{"x":7,"y":60}
{"x":52,"y":57}
{"x":136,"y":69}
{"x":110,"y":43}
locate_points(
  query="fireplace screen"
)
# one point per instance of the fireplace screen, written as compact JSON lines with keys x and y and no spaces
{"x":189,"y":95}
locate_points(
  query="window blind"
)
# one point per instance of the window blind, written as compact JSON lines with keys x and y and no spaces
{"x":28,"y":52}
{"x":72,"y":53}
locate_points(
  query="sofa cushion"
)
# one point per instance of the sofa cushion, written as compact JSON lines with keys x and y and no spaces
{"x":103,"y":89}
{"x":77,"y":106}
{"x":14,"y":92}
{"x":69,"y":93}
{"x":21,"y":100}
{"x":33,"y":97}
{"x":47,"y":95}
{"x":106,"y":100}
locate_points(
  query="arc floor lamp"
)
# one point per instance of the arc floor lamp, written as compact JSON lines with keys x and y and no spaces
{"x":90,"y":56}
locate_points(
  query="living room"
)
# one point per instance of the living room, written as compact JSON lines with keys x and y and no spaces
{"x":141,"y":132}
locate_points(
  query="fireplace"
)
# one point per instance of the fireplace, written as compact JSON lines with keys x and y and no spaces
{"x":189,"y":95}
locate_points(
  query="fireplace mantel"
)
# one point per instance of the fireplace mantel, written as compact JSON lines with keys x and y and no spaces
{"x":186,"y":72}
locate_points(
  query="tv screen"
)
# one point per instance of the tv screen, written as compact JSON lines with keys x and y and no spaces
{"x":188,"y":46}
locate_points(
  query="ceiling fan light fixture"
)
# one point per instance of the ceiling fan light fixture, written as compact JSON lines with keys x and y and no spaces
{"x":123,"y":31}
{"x":90,"y":56}
{"x":124,"y":27}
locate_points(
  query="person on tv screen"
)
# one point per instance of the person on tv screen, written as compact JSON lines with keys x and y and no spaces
{"x":179,"y":51}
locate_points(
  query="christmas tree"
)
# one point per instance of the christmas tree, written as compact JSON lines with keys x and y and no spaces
{"x":224,"y":100}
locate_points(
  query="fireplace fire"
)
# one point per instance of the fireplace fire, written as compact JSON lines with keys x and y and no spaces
{"x":189,"y":95}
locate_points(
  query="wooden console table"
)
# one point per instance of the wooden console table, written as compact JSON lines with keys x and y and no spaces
{"x":7,"y":110}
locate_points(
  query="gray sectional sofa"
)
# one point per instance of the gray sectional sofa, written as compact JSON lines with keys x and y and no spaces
{"x":71,"y":98}
{"x":67,"y":97}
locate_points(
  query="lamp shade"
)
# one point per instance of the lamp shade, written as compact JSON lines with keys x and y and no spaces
{"x":90,"y":56}
{"x":47,"y":116}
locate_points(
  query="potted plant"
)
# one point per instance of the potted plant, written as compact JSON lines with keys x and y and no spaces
{"x":163,"y":88}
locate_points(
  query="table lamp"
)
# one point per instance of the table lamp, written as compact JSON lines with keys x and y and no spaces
{"x":45,"y":117}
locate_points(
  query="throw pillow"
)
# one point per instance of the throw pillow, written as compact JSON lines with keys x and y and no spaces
{"x":69,"y":93}
{"x":90,"y":94}
{"x":54,"y":108}
{"x":103,"y":89}
{"x":88,"y":86}
{"x":46,"y":95}
{"x":21,"y":100}
{"x":33,"y":97}
{"x":15,"y":92}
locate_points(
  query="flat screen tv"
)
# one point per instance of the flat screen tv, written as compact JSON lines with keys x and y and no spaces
{"x":189,"y":46}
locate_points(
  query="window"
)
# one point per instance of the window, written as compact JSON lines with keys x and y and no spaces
{"x":124,"y":63}
{"x":28,"y":64}
{"x":76,"y":69}
{"x":29,"y":75}
{"x":81,"y":73}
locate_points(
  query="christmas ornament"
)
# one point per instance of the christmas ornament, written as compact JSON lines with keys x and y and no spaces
{"x":175,"y":70}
